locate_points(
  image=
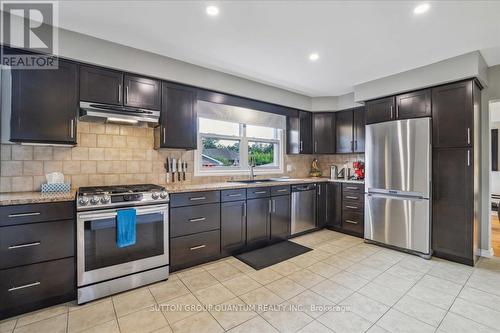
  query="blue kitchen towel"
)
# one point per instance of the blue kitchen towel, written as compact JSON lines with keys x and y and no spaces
{"x":125,"y":227}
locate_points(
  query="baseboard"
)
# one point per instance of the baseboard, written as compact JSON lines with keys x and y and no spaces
{"x":486,"y":253}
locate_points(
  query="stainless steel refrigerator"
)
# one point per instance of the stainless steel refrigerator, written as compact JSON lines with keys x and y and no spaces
{"x":398,"y":184}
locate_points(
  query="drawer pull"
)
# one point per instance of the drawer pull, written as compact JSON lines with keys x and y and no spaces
{"x":34,"y":284}
{"x":24,"y":214}
{"x":197,"y":198}
{"x":197,"y":247}
{"x":351,"y":197}
{"x":234,"y":195}
{"x":352,"y":188}
{"x":23,"y":245}
{"x":260,"y":192}
{"x":351,"y":207}
{"x":282,"y":190}
{"x":351,"y":221}
{"x":198,"y":219}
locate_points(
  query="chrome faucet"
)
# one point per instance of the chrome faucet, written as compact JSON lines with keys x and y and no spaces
{"x":252,"y":165}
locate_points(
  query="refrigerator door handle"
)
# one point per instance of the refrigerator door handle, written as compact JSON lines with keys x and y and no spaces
{"x":397,"y":196}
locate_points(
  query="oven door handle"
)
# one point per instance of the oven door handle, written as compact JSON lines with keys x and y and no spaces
{"x":112,"y":213}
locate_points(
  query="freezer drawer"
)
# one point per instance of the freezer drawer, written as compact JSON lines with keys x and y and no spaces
{"x":398,"y":221}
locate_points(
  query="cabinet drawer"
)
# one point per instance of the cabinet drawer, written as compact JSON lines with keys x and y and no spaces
{"x":193,"y":249}
{"x":353,"y":196}
{"x":233,"y":195}
{"x":258,"y":192}
{"x":26,"y":287}
{"x":280,"y":190}
{"x":353,"y":222}
{"x":194,"y":198}
{"x":190,"y":220}
{"x":43,"y":212}
{"x":32,"y":243}
{"x":350,"y":187}
{"x":352,"y":206}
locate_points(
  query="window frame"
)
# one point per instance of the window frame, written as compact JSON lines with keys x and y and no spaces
{"x":243,"y":168}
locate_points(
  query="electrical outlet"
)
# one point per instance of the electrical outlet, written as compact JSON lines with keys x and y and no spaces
{"x":289,"y":168}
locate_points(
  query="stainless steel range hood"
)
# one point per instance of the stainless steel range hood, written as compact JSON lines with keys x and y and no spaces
{"x":104,"y":113}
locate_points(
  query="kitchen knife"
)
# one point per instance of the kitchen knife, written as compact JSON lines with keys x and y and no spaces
{"x":167,"y":169}
{"x":184,"y":171}
{"x":179,"y":170}
{"x":174,"y":169}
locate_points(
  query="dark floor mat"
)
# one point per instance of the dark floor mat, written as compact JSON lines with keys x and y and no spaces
{"x":272,"y":254}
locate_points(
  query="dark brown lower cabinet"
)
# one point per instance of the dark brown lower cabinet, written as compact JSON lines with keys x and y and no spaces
{"x":333,"y":209}
{"x":258,"y":222}
{"x":280,"y":218}
{"x":233,"y":227}
{"x":187,"y":251}
{"x":453,"y":204}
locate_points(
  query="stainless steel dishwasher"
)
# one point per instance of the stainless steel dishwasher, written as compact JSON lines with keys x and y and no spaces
{"x":303,"y":208}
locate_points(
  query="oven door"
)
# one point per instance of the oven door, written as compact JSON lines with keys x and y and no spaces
{"x":98,"y":257}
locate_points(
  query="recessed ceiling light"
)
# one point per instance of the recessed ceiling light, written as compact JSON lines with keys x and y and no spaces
{"x":422,"y":8}
{"x":212,"y":10}
{"x":313,"y":56}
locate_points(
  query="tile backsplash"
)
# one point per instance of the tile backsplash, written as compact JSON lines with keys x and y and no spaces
{"x":114,"y":154}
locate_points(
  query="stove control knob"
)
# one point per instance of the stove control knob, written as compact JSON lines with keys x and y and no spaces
{"x":95,"y":200}
{"x":155,"y":195}
{"x":163,"y":194}
{"x":83,"y":201}
{"x":105,"y":199}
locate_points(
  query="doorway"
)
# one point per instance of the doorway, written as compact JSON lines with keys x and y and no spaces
{"x":494,"y":109}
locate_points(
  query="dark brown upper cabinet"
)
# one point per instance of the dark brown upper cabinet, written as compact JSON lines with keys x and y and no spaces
{"x":299,"y":133}
{"x":414,"y":104}
{"x":452,"y":115}
{"x":45,"y":105}
{"x":178,"y":125}
{"x":380,"y":110}
{"x":324,"y":133}
{"x":359,"y":124}
{"x":350,"y":131}
{"x":99,"y":85}
{"x":142,"y":92}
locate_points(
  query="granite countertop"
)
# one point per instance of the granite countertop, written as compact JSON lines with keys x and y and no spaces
{"x":352,"y":181}
{"x":19,"y":198}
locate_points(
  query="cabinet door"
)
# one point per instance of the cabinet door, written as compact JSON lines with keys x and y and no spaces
{"x":101,"y":85}
{"x":292,"y":135}
{"x":45,"y":104}
{"x":258,"y":226}
{"x":178,"y":117}
{"x":280,"y":218}
{"x":322,"y":204}
{"x":324,"y":133}
{"x":380,"y":110}
{"x":452,"y":115}
{"x":142,"y":92}
{"x":452,"y":203}
{"x":344,"y":131}
{"x":305,"y":132}
{"x":359,"y":122}
{"x":233,"y":226}
{"x":334,"y":205}
{"x":413,"y":105}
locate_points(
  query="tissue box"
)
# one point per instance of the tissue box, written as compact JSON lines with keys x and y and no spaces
{"x":56,"y":187}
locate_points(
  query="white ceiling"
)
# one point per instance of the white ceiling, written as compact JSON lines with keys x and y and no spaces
{"x":269,"y":41}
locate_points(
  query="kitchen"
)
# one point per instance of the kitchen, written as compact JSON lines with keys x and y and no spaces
{"x":138,"y":192}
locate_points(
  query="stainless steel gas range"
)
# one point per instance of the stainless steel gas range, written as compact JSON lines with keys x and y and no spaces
{"x":103,"y":268}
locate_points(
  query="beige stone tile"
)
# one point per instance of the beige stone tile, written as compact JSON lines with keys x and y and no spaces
{"x":232,"y":313}
{"x":55,"y":324}
{"x":119,"y":141}
{"x":201,"y":322}
{"x":22,"y":153}
{"x":443,"y":285}
{"x":71,"y":167}
{"x":285,"y":288}
{"x":181,"y":307}
{"x":144,"y":320}
{"x":198,"y":281}
{"x":241,"y":285}
{"x":104,"y":141}
{"x":52,"y":166}
{"x":260,"y":298}
{"x":83,"y":126}
{"x":88,"y":167}
{"x":109,"y":327}
{"x":319,"y":254}
{"x":97,"y":128}
{"x":315,"y":327}
{"x":79,"y":180}
{"x":476,"y":312}
{"x":287,"y":321}
{"x":62,"y":153}
{"x":223,"y":271}
{"x":349,"y":280}
{"x":137,"y":154}
{"x":165,"y":291}
{"x":80,"y":154}
{"x":5,"y":184}
{"x":42,"y":153}
{"x":140,"y":131}
{"x":344,"y":322}
{"x":254,"y":325}
{"x":364,"y":271}
{"x":126,"y":130}
{"x":214,"y":295}
{"x":90,"y":316}
{"x":450,"y":271}
{"x":312,"y":303}
{"x":454,"y":323}
{"x":405,"y":273}
{"x":323,"y":269}
{"x":21,"y":184}
{"x":332,"y":291}
{"x":32,"y":168}
{"x":131,"y":301}
{"x":365,"y":307}
{"x":480,"y":297}
{"x":395,"y":321}
{"x":96,"y":154}
{"x":165,"y":329}
{"x":88,"y":140}
{"x":5,"y":152}
{"x":285,"y":268}
{"x":133,"y":166}
{"x":111,"y":154}
{"x":7,"y":325}
{"x":125,"y":154}
{"x":112,"y":129}
{"x":11,"y":168}
{"x":432,"y":296}
{"x":381,"y":293}
{"x":304,"y":261}
{"x":265,"y":276}
{"x":112,"y":179}
{"x":420,"y":310}
{"x":42,"y":314}
{"x":242,"y":267}
{"x":393,"y":282}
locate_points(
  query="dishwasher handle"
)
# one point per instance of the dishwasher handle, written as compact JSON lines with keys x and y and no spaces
{"x":303,"y":187}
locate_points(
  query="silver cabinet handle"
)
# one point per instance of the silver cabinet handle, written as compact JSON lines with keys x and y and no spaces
{"x":119,"y":93}
{"x":397,"y":111}
{"x":197,"y":247}
{"x":197,"y":198}
{"x":468,"y":157}
{"x":300,"y":145}
{"x":351,"y":197}
{"x":199,"y":219}
{"x":34,"y":284}
{"x":24,"y":214}
{"x":355,"y":144}
{"x":319,"y":190}
{"x":270,"y":207}
{"x":315,"y":146}
{"x":391,"y":111}
{"x":72,"y":128}
{"x":468,"y":135}
{"x":351,"y":221}
{"x":260,"y":192}
{"x":282,"y":190}
{"x":351,"y":207}
{"x":126,"y":92}
{"x":244,"y":209}
{"x":352,"y":145}
{"x":274,"y":206}
{"x":164,"y":134}
{"x":12,"y":247}
{"x":234,"y":195}
{"x":351,"y":188}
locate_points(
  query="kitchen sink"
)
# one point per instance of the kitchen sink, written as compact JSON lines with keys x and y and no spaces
{"x":251,"y":181}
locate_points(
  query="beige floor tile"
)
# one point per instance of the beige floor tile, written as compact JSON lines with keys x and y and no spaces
{"x":315,"y":327}
{"x":190,"y":271}
{"x":201,"y":322}
{"x":90,"y":316}
{"x":324,"y":269}
{"x":133,"y":301}
{"x":480,"y":297}
{"x":260,"y":298}
{"x":420,"y":310}
{"x":224,"y":272}
{"x":165,"y":329}
{"x":476,"y":312}
{"x":377,"y":263}
{"x":365,"y":307}
{"x":214,"y":295}
{"x":416,"y":264}
{"x":181,"y":307}
{"x":383,"y":294}
{"x":393,"y":282}
{"x":306,"y":278}
{"x":109,"y":327}
{"x":285,"y":288}
{"x":287,"y":321}
{"x":349,"y":280}
{"x":311,"y":303}
{"x":285,"y":268}
{"x":405,"y":273}
{"x":443,"y":285}
{"x":319,"y":254}
{"x":332,"y":291}
{"x":241,"y":266}
{"x":55,"y":324}
{"x":200,"y":280}
{"x":265,"y":276}
{"x":454,"y":323}
{"x":345,"y":322}
{"x":330,"y":248}
{"x":338,"y":261}
{"x":364,"y":271}
{"x":304,"y":261}
{"x":397,"y":322}
{"x":74,"y":306}
{"x":432,"y":296}
{"x":232,"y":313}
{"x":350,"y":255}
{"x":165,"y":291}
{"x":144,"y":321}
{"x":254,"y":325}
{"x":241,"y":285}
{"x":7,"y":325}
{"x":377,"y":329}
{"x":42,"y":314}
